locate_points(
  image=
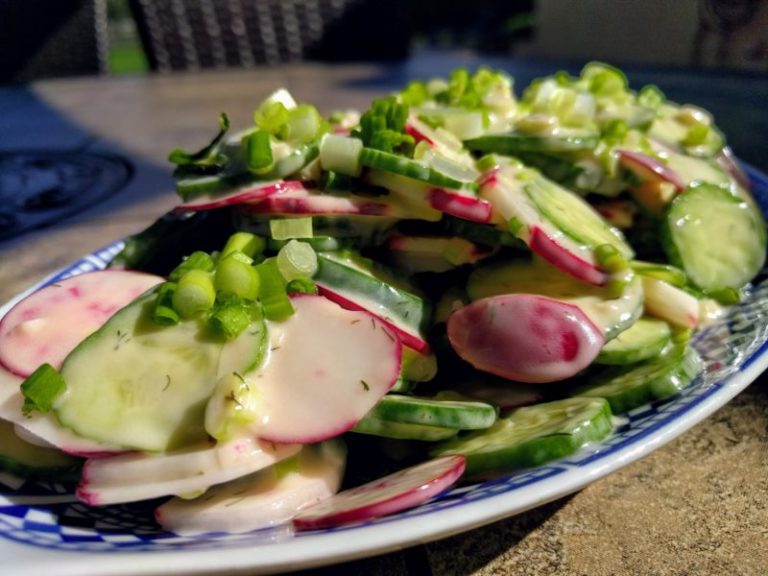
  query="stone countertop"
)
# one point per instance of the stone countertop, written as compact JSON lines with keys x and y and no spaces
{"x":698,"y":505}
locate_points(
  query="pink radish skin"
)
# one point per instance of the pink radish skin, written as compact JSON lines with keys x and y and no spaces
{"x":568,"y":261}
{"x":461,"y":205}
{"x":649,"y":168}
{"x":394,"y":493}
{"x":305,"y":202}
{"x":407,"y":338}
{"x":47,"y":325}
{"x":728,"y":162}
{"x":525,"y":337}
{"x":250,"y":193}
{"x":326,"y":368}
{"x":136,"y":476}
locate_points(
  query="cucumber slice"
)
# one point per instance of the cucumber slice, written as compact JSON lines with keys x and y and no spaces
{"x":457,"y":414}
{"x":658,"y":379}
{"x":608,"y":312}
{"x":691,"y":169}
{"x":718,"y":239}
{"x":373,"y":289}
{"x":374,"y":426}
{"x":403,"y":166}
{"x":571,"y":214}
{"x":26,"y":460}
{"x":532,"y":435}
{"x":137,"y":385}
{"x":645,"y":339}
{"x":514,"y":142}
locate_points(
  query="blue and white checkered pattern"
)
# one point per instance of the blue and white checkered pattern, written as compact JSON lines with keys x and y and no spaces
{"x":727,"y":347}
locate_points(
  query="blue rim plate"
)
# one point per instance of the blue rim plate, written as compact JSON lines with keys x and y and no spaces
{"x":43,"y":529}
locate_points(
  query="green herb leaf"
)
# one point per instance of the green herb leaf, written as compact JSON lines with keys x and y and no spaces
{"x":205,"y":161}
{"x":41,"y":389}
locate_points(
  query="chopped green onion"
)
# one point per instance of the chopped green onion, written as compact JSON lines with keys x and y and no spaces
{"x":287,"y":228}
{"x":297,"y":260}
{"x":230,"y":317}
{"x":195,"y":293}
{"x":234,"y":277}
{"x":610,"y":259}
{"x":205,"y":160}
{"x":198,"y":260}
{"x":258,"y":147}
{"x":41,"y":389}
{"x":163,"y":312}
{"x":341,"y":154}
{"x":245,"y":242}
{"x":301,"y":286}
{"x":272,"y":291}
{"x":650,"y":96}
{"x":303,"y":125}
{"x":696,"y":135}
{"x":271,"y":116}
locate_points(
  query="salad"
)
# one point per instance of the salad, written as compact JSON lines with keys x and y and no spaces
{"x":346,"y":315}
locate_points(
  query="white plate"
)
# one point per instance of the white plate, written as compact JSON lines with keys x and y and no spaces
{"x":44,"y":531}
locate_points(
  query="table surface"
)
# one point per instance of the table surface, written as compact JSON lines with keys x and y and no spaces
{"x":696,"y":506}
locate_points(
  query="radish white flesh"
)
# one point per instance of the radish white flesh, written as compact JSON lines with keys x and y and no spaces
{"x":670,"y":303}
{"x":649,"y":168}
{"x":248,"y":193}
{"x":394,"y":493}
{"x":461,"y":205}
{"x":525,"y":337}
{"x":306,"y":202}
{"x":326,"y":368}
{"x":409,"y":337}
{"x":267,"y":498}
{"x":138,"y":476}
{"x":48,"y":324}
{"x":510,"y":204}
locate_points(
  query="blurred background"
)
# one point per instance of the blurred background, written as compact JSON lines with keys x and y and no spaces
{"x":55,"y":38}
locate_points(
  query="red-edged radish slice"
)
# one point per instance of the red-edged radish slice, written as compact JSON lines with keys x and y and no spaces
{"x":510,"y":203}
{"x":265,"y":499}
{"x":649,"y":168}
{"x":138,"y":476}
{"x":326,"y":368}
{"x":394,"y":493}
{"x":730,"y":164}
{"x":48,"y":324}
{"x":525,"y":337}
{"x":460,"y":204}
{"x":249,"y":193}
{"x":305,"y":202}
{"x":670,"y":303}
{"x":408,"y":336}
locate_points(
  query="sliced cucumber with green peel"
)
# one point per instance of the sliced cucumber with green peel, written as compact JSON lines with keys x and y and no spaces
{"x":645,"y":339}
{"x":512,"y":143}
{"x":407,"y":167}
{"x":374,"y":426}
{"x":457,"y":414}
{"x":626,"y":388}
{"x":354,"y":282}
{"x":612,"y":314}
{"x":571,"y":214}
{"x":138,"y":385}
{"x":532,"y":435}
{"x":26,"y":460}
{"x":717,"y":238}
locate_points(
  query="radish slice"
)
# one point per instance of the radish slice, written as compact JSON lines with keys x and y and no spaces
{"x":47,"y":325}
{"x":460,"y":204}
{"x":399,"y":491}
{"x":243,"y":195}
{"x":511,"y":204}
{"x":305,"y":202}
{"x":506,"y":395}
{"x":670,"y":303}
{"x":649,"y":168}
{"x":327,"y":367}
{"x":265,"y":499}
{"x":730,"y":164}
{"x":525,"y":337}
{"x":138,"y":476}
